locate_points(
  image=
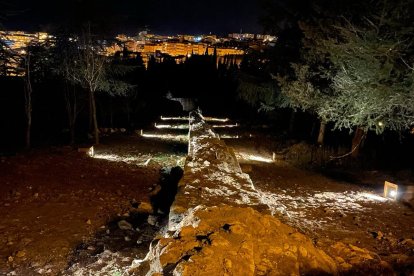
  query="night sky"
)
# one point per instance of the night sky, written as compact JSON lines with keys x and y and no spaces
{"x":131,"y":16}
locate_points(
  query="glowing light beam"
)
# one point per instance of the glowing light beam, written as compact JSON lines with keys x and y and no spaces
{"x":172,"y":126}
{"x":174,"y":118}
{"x":225,"y":126}
{"x":167,"y":137}
{"x":254,"y":157}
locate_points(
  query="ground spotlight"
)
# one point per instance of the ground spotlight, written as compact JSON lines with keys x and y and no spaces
{"x":390,"y":190}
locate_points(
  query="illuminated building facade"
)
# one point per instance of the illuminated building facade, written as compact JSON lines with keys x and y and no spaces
{"x":176,"y":49}
{"x":17,"y":43}
{"x":148,"y":45}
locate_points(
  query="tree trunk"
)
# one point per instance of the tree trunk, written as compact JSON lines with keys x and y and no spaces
{"x":313,"y":129}
{"x":321,"y":136}
{"x":292,"y":121}
{"x":72,"y":134}
{"x":111,"y":114}
{"x":357,"y":141}
{"x":128,"y":110}
{"x":72,"y":112}
{"x":28,"y":103}
{"x":29,"y":123}
{"x":90,"y":111}
{"x":94,"y":118}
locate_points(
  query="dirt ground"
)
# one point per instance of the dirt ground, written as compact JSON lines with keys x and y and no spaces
{"x":335,"y":212}
{"x":54,"y":202}
{"x":60,"y":208}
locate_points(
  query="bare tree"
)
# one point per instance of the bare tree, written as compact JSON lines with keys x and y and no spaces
{"x":67,"y":70}
{"x":87,"y":68}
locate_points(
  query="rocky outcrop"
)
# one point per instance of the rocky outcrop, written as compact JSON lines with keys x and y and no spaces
{"x":230,"y":240}
{"x":218,"y":226}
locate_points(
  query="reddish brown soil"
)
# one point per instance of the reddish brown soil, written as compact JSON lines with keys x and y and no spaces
{"x":334,"y":211}
{"x":53,"y":200}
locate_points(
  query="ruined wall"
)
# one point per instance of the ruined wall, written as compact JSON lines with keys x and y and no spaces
{"x":218,"y":225}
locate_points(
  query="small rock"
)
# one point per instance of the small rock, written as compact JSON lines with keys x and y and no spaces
{"x":36,"y":195}
{"x":124,"y":225}
{"x":6,"y":204}
{"x":10,"y":259}
{"x":89,"y":222}
{"x":20,"y":254}
{"x":127,"y":239}
{"x":380,"y":235}
{"x":409,"y":242}
{"x":91,"y":248}
{"x":377,"y":235}
{"x":108,"y":231}
{"x":145,"y":207}
{"x":26,"y":241}
{"x":303,"y":251}
{"x":227,"y":263}
{"x":152,"y":220}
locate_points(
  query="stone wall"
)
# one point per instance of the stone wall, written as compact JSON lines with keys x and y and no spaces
{"x":218,"y":225}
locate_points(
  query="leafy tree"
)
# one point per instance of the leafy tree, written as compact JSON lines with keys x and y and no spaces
{"x":361,"y":74}
{"x":259,"y":93}
{"x":303,"y":93}
{"x":355,"y":67}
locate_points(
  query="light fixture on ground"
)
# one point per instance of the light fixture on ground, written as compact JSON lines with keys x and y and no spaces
{"x":390,"y":190}
{"x":88,"y":150}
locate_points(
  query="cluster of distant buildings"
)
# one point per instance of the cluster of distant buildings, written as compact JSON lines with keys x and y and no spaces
{"x":227,"y":49}
{"x":147,"y":45}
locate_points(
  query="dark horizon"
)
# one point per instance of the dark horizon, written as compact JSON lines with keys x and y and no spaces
{"x":161,"y":17}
